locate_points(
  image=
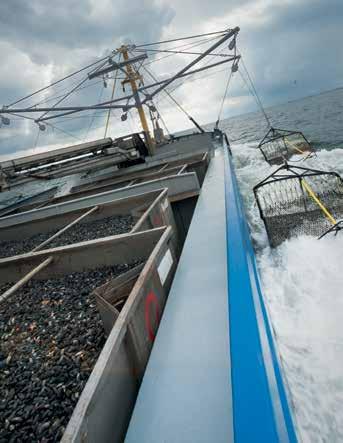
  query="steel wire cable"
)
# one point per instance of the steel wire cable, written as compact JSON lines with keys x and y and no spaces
{"x":94,"y":113}
{"x":184,"y":38}
{"x":188,"y":46}
{"x":224,"y":97}
{"x":72,"y":90}
{"x":64,"y":132}
{"x":259,"y":102}
{"x":59,"y":95}
{"x":77,"y":87}
{"x":112,"y":96}
{"x":60,"y":80}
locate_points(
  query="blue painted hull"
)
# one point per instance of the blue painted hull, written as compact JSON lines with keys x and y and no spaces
{"x":260,"y":406}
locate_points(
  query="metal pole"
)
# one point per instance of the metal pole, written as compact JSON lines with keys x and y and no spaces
{"x":132,"y":79}
{"x":108,"y":104}
{"x":143,"y":88}
{"x":63,"y":108}
{"x":195,"y":61}
{"x":25,"y":279}
{"x":61,"y":231}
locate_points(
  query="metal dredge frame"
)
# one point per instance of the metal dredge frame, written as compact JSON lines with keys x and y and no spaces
{"x":276,"y":134}
{"x":140,"y":95}
{"x":294,"y":173}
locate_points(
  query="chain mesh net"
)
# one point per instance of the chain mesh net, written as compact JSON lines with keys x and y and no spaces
{"x":288,"y":209}
{"x":275,"y":151}
{"x":280,"y":148}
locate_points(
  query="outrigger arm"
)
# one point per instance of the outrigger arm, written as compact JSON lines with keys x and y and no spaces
{"x":126,"y":67}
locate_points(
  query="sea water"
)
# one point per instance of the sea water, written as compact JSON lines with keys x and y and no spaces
{"x":303,"y":277}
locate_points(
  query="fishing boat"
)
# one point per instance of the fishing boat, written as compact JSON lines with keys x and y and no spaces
{"x":131,"y":305}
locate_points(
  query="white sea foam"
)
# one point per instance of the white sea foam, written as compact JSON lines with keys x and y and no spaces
{"x":303,"y":288}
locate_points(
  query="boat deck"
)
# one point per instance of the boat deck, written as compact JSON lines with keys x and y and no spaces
{"x":186,"y":392}
{"x":214,"y":373}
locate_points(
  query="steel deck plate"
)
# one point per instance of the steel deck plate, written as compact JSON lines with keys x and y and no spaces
{"x":186,"y":392}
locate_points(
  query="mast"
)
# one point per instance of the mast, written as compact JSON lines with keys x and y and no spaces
{"x":104,"y":66}
{"x":132,"y":76}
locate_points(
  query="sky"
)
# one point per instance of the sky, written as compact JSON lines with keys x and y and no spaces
{"x":292,"y":49}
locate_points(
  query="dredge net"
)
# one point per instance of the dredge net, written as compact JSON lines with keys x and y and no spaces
{"x":289,"y":205}
{"x":297,"y":144}
{"x":279,"y":145}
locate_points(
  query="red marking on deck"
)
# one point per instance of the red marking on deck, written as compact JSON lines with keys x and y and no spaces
{"x":151,"y":299}
{"x":157,"y":220}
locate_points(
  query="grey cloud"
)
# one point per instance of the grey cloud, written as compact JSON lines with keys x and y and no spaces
{"x":37,"y":37}
{"x":296,"y":51}
{"x":72,"y":24}
{"x":293,"y":51}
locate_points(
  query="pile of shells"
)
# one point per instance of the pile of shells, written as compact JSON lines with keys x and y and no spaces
{"x":80,"y":232}
{"x":51,"y":335}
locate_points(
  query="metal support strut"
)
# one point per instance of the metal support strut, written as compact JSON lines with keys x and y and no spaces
{"x":132,"y":76}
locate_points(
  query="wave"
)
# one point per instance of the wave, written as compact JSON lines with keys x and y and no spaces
{"x":302,"y":286}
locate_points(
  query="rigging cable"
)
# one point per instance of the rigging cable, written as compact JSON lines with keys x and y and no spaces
{"x":162,"y":119}
{"x":190,"y":78}
{"x":179,"y":52}
{"x":224,"y":98}
{"x":94,"y":113}
{"x":251,"y":92}
{"x":187,"y":46}
{"x":184,"y":38}
{"x":180,"y":84}
{"x":160,"y":116}
{"x":167,"y":93}
{"x":112,"y":96}
{"x":254,"y":93}
{"x":22,"y":116}
{"x":79,"y":117}
{"x":178,"y":104}
{"x":60,"y":80}
{"x":259,"y":103}
{"x":186,"y":79}
{"x":64,"y":132}
{"x":37,"y":138}
{"x":59,"y":95}
{"x":131,"y":121}
{"x":72,"y":90}
{"x":258,"y":100}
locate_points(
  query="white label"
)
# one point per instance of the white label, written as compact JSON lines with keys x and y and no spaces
{"x":165,"y":266}
{"x":164,"y":205}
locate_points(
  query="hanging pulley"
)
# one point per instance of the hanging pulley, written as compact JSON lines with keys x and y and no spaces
{"x":5,"y":121}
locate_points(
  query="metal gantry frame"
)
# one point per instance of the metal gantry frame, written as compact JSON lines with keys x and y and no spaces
{"x":141,"y":95}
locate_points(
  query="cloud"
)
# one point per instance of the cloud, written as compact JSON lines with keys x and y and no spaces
{"x":38,"y":25}
{"x":291,"y":48}
{"x":41,"y":42}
